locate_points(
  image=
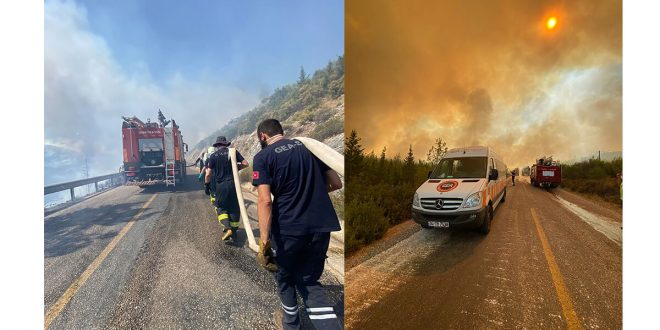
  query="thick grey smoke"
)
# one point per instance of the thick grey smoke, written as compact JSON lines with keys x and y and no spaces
{"x":87,"y":92}
{"x":477,"y":112}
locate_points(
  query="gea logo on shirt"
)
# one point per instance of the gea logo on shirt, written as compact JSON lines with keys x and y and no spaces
{"x":255,"y":175}
{"x":287,"y":147}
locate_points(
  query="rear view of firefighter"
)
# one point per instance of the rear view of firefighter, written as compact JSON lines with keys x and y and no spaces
{"x":226,"y":202}
{"x":297,"y":223}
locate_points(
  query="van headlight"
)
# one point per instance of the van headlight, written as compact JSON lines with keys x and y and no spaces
{"x":473,"y":201}
{"x":416,"y":200}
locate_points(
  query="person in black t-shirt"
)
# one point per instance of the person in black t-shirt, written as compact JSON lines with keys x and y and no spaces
{"x":226,"y":202}
{"x":298,"y":222}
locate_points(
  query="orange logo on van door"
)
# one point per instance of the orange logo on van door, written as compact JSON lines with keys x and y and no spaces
{"x":446,"y":186}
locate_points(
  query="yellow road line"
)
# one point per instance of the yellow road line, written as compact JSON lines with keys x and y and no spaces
{"x":562,"y":292}
{"x":59,"y":305}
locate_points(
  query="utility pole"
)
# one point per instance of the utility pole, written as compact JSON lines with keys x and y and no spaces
{"x":598,"y":155}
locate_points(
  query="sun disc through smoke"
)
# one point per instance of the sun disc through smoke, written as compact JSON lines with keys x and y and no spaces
{"x":551,"y":23}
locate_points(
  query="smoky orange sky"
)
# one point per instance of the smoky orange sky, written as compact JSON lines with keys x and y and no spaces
{"x":485,"y":73}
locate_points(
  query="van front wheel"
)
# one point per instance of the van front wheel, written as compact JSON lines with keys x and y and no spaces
{"x":485,"y":226}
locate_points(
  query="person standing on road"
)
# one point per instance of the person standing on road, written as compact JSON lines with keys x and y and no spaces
{"x":513,"y":177}
{"x":209,"y":188}
{"x":226,"y":202}
{"x":297,"y":223}
{"x":200,"y":163}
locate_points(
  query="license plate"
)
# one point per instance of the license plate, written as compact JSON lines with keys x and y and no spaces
{"x":548,"y":173}
{"x":439,"y":224}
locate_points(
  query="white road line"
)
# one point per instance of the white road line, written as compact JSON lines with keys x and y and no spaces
{"x":611,"y":229}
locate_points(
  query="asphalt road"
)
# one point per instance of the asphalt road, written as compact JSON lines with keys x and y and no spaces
{"x":152,"y":258}
{"x":551,"y":261}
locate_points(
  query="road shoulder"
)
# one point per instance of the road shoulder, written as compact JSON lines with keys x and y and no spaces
{"x":392,"y":236}
{"x":593,"y":205}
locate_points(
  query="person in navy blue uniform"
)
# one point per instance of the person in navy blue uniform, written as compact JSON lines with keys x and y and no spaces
{"x":226,"y":202}
{"x":297,"y":223}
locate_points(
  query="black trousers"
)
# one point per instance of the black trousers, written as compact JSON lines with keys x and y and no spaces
{"x":300,"y":261}
{"x":212,"y":186}
{"x":226,"y":204}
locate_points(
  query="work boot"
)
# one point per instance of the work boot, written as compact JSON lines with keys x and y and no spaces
{"x":212,"y":200}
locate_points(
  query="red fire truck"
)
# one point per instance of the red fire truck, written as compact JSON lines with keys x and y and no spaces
{"x":545,"y":173}
{"x":153,"y":152}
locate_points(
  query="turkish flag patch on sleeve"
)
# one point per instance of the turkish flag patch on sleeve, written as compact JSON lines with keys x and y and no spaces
{"x":255,"y":175}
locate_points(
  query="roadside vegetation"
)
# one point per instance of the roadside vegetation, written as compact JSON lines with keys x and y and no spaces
{"x":594,"y":177}
{"x":379,"y":190}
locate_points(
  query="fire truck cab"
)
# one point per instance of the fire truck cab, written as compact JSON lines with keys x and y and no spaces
{"x":463,"y":190}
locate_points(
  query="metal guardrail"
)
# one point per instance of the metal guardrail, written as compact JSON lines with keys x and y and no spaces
{"x":115,"y":179}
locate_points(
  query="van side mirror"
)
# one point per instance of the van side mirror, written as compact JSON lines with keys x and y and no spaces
{"x":493,"y":175}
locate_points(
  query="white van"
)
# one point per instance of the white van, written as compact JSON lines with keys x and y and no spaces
{"x":462,"y":191}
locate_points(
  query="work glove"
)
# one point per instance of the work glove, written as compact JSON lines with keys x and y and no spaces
{"x":207,"y":188}
{"x":265,"y":257}
{"x":200,"y":176}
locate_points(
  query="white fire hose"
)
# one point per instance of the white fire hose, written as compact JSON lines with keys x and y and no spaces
{"x":323,"y":152}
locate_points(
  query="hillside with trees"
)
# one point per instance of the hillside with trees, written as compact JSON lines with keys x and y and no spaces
{"x":313,"y":107}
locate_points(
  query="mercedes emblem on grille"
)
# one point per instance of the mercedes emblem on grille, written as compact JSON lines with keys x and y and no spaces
{"x":438,"y":204}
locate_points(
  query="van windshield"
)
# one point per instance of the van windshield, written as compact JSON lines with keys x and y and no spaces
{"x":460,"y":168}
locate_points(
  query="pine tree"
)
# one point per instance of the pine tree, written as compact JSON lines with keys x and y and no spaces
{"x":303,"y":76}
{"x":382,"y":155}
{"x":438,"y":149}
{"x":354,"y":150}
{"x":409,"y":169}
{"x":410,"y":159}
